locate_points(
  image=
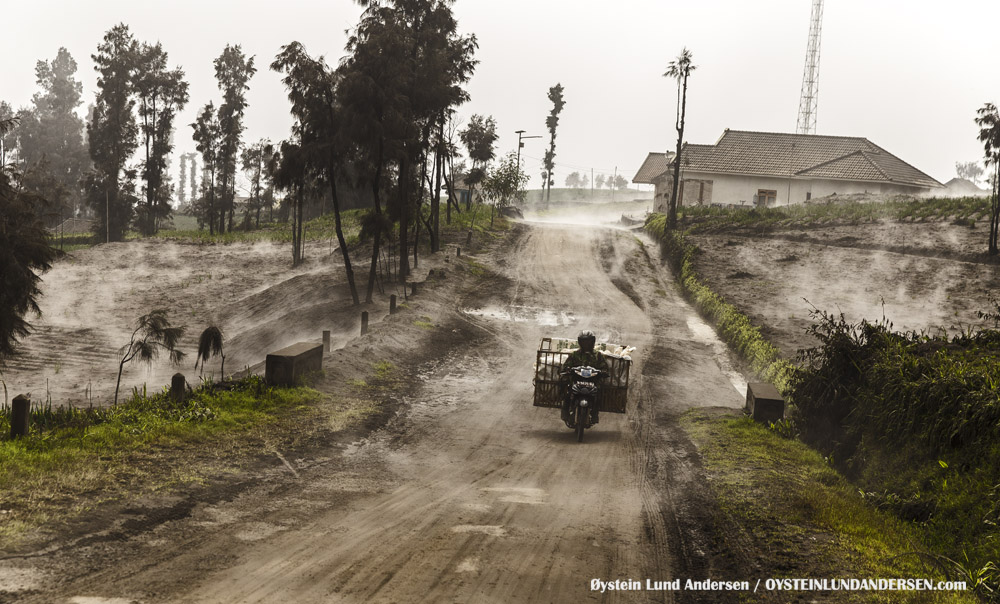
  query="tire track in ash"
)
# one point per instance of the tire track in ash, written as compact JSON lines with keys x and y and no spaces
{"x":490,"y":485}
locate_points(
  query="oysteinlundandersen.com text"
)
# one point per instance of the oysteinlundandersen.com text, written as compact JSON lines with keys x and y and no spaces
{"x":777,"y":585}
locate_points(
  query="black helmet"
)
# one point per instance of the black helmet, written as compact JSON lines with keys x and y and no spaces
{"x":587,"y":339}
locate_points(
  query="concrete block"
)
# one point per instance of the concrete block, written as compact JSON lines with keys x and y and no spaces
{"x":20,"y":416}
{"x":178,"y":387}
{"x":284,"y":367}
{"x":764,"y":403}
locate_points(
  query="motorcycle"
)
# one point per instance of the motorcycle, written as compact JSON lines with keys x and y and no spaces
{"x":582,"y":397}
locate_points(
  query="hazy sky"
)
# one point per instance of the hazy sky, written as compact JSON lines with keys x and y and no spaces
{"x":908,"y":75}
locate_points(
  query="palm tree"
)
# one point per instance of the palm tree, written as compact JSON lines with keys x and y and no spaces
{"x":210,"y":345}
{"x":679,"y":69}
{"x":152,"y":334}
{"x":988,"y":121}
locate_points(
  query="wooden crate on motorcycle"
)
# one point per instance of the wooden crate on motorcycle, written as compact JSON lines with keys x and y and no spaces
{"x":550,"y":390}
{"x":284,"y":367}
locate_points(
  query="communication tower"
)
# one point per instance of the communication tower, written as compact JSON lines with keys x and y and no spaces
{"x":809,"y":98}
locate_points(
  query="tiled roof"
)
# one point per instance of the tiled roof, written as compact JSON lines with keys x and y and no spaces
{"x":655,"y":164}
{"x":803,"y":155}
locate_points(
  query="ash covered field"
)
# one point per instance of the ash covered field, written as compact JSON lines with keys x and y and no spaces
{"x":91,"y":299}
{"x":922,"y":276}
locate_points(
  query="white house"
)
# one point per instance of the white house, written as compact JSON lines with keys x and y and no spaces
{"x":769,"y":168}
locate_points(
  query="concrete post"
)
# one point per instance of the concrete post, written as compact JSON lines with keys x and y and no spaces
{"x":178,"y":387}
{"x":19,"y":416}
{"x":326,"y":340}
{"x":458,"y":251}
{"x":392,"y":304}
{"x":364,"y":322}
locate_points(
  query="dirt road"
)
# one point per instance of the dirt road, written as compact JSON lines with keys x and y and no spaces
{"x":471,"y":494}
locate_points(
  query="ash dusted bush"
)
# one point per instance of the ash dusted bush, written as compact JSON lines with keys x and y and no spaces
{"x":909,"y":388}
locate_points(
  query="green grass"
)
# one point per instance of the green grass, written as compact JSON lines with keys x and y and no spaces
{"x":322,"y":228}
{"x":916,"y":419}
{"x":734,"y":327}
{"x":76,"y":451}
{"x":71,"y":243}
{"x":912,"y":419}
{"x":424,"y":323}
{"x":477,"y":219}
{"x":783,"y":496}
{"x":968,"y":210}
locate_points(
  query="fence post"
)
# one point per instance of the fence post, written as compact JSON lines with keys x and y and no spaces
{"x":458,"y":251}
{"x":326,"y":340}
{"x":392,"y":304}
{"x":178,"y":387}
{"x":364,"y":322}
{"x":19,"y":416}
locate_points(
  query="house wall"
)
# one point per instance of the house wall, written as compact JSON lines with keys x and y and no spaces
{"x":734,"y":189}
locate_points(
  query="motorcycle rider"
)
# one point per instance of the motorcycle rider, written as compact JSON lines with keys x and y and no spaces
{"x":585,"y":356}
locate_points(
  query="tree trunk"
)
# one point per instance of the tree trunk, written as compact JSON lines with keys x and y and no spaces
{"x":211,"y":203}
{"x":449,"y":183}
{"x":672,"y":209}
{"x":340,"y":238}
{"x":121,"y":366}
{"x":301,"y":216}
{"x":436,"y":199}
{"x":377,"y":239}
{"x":404,"y":215}
{"x":995,"y":211}
{"x":231,"y":195}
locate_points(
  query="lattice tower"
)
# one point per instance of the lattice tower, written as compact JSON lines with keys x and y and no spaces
{"x":809,"y":98}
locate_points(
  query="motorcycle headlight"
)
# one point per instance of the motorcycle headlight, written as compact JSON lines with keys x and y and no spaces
{"x":583,"y":403}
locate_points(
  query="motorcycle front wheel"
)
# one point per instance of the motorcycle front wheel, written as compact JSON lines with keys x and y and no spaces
{"x":581,"y":422}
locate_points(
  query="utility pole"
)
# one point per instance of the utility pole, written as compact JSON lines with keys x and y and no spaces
{"x":520,"y":138}
{"x":107,"y":218}
{"x":614,"y":184}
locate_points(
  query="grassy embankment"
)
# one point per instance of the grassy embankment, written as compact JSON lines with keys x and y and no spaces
{"x":70,"y":452}
{"x":911,"y":419}
{"x":322,"y":228}
{"x":75,"y":459}
{"x":963,"y":211}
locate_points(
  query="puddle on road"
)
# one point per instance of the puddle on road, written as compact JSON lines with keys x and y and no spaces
{"x":524,"y":314}
{"x":493,"y":530}
{"x":520,"y":495}
{"x":469,"y":565}
{"x":704,"y":333}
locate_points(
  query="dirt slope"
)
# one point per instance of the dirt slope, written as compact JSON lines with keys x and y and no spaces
{"x":91,"y":299}
{"x":470,"y":494}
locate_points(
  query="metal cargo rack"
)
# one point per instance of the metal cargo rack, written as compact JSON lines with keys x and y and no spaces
{"x":550,"y":390}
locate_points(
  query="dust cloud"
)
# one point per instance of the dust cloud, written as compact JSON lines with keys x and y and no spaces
{"x":92,"y":298}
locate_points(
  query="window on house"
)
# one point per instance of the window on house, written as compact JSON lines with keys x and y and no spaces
{"x":809,"y":195}
{"x":766,"y":197}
